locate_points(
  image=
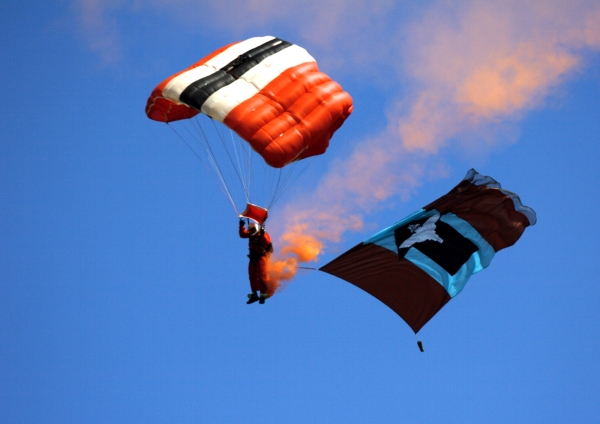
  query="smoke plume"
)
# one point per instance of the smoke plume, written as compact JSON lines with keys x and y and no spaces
{"x":464,"y":68}
{"x":472,"y":67}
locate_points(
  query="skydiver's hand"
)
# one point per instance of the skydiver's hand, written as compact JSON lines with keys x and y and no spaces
{"x":262,"y":231}
{"x":241,"y":222}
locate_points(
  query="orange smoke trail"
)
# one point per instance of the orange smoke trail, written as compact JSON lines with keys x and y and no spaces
{"x":298,"y":247}
{"x":303,"y":241}
{"x":472,"y":68}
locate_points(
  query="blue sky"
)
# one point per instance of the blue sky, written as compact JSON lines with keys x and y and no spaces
{"x":123,"y":280}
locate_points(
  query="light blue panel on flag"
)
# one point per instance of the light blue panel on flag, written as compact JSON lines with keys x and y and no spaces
{"x":485,"y":254}
{"x":452,"y":283}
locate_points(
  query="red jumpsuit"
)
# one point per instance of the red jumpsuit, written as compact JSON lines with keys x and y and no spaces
{"x":259,"y":245}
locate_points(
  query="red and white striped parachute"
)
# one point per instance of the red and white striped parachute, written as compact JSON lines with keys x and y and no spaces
{"x":269,"y":91}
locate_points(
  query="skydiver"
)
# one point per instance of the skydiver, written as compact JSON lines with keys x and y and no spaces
{"x":260,"y":247}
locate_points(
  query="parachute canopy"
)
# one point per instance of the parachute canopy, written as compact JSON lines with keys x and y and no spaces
{"x":269,"y":91}
{"x":418,"y":264}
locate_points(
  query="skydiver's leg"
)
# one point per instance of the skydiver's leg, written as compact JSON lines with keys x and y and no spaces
{"x":261,"y":274}
{"x":252,"y":276}
{"x":253,"y":297}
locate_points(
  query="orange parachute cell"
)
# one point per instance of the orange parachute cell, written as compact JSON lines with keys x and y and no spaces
{"x":269,"y":91}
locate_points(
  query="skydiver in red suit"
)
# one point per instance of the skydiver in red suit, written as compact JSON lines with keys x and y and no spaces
{"x":260,"y":246}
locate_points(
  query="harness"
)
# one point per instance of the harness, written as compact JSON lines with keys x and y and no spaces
{"x":257,"y":251}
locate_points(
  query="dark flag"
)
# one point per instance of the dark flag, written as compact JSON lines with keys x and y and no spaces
{"x":418,"y":264}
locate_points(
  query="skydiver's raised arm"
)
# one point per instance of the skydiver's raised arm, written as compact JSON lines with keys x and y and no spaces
{"x":242,"y":229}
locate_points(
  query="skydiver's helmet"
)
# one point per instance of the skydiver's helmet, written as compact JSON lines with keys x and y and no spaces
{"x":253,"y":228}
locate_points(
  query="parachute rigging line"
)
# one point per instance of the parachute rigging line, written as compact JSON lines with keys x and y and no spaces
{"x":229,"y":156}
{"x":247,"y":146}
{"x":241,"y":168}
{"x":240,"y":155}
{"x":210,"y":152}
{"x":287,"y":183}
{"x":208,"y":149}
{"x":222,"y":185}
{"x":221,"y":182}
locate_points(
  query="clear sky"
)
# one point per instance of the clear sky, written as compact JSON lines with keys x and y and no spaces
{"x":122,"y":278}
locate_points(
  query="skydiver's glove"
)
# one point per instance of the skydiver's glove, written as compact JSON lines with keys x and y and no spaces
{"x":262,"y":230}
{"x":241,"y":222}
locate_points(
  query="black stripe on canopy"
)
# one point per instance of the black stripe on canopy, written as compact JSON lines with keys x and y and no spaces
{"x":197,"y":92}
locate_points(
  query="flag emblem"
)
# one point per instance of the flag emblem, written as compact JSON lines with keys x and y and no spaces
{"x":437,"y":240}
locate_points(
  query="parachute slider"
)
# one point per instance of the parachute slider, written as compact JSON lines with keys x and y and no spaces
{"x":255,"y":213}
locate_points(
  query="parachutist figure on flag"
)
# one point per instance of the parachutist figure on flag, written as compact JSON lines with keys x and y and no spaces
{"x":259,"y":244}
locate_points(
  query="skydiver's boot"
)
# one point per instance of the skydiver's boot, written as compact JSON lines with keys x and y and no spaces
{"x":253,"y":297}
{"x":263,"y":297}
